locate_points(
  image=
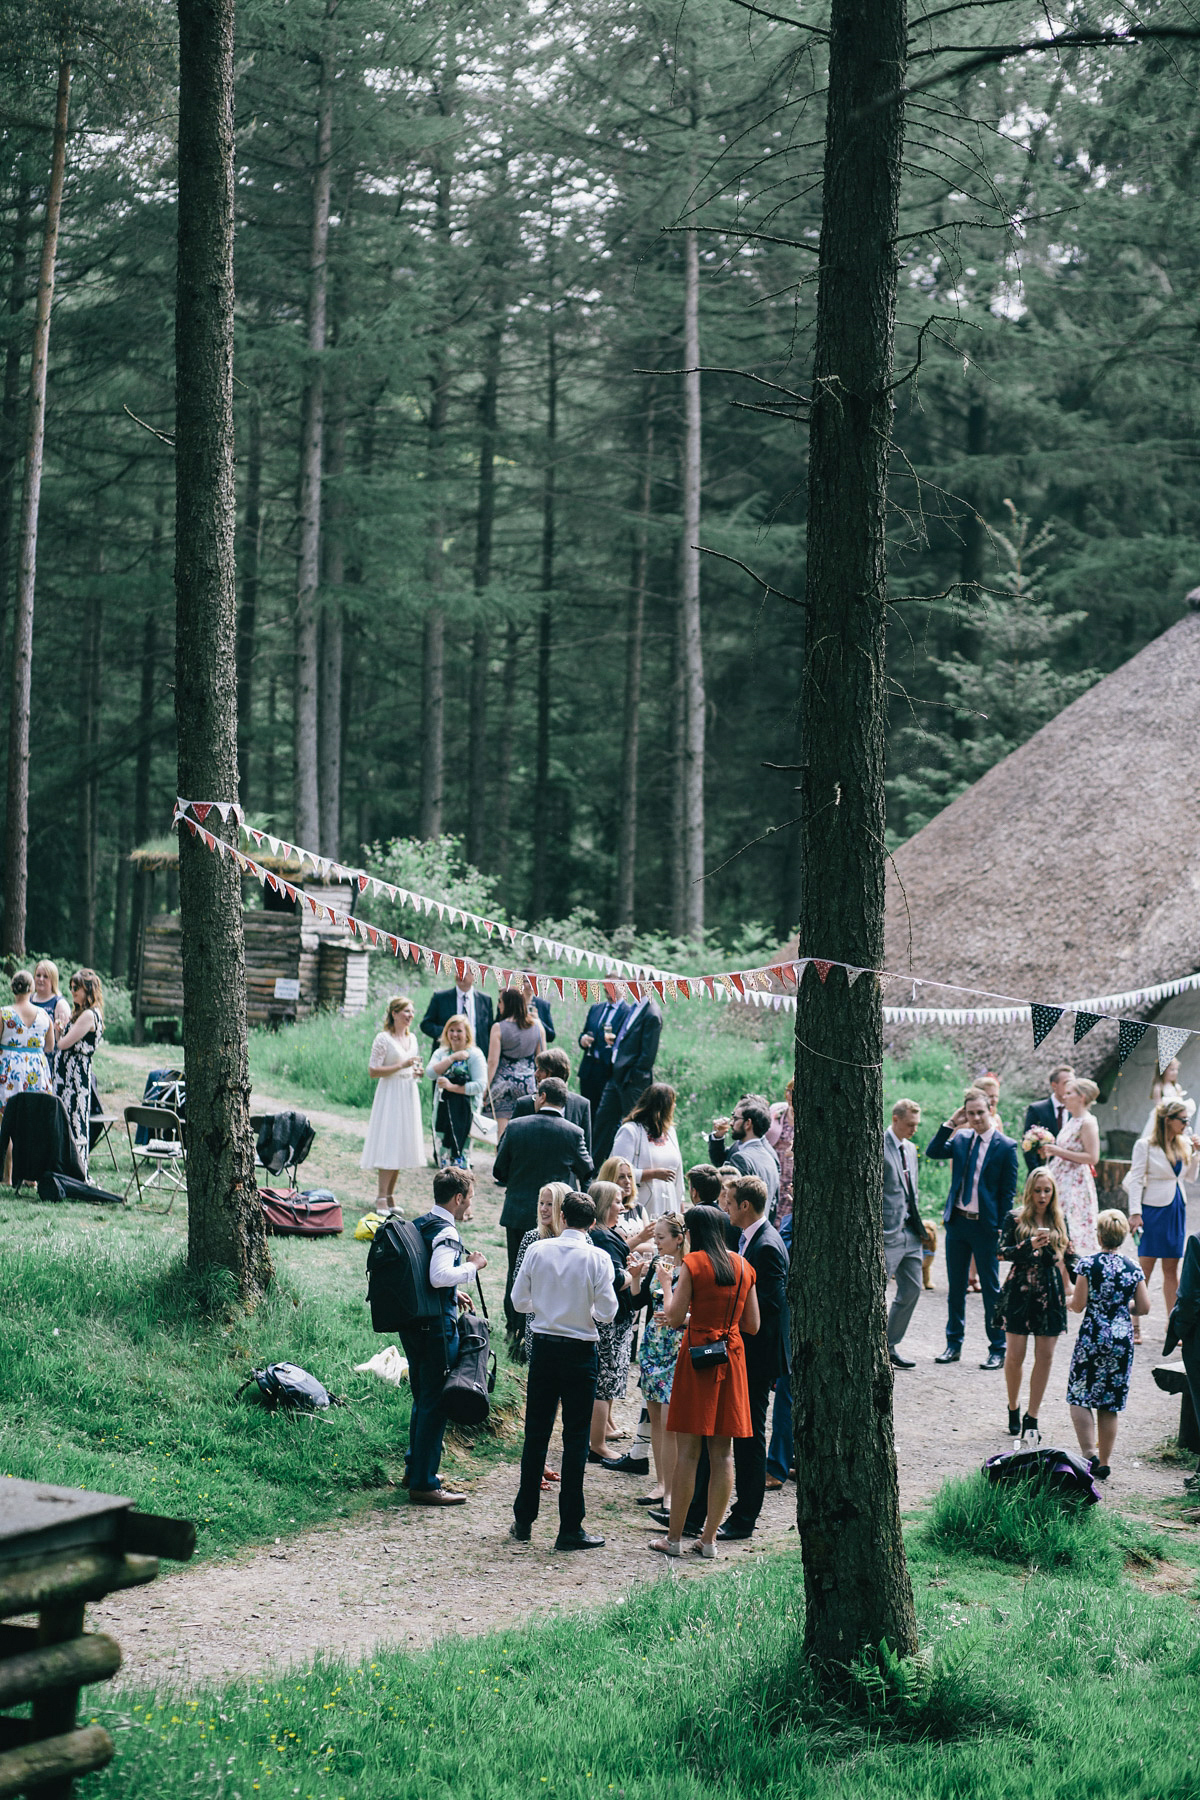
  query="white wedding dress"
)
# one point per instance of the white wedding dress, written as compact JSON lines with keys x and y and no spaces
{"x":395,"y":1139}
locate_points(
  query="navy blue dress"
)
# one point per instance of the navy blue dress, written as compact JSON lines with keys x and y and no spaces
{"x":1102,"y":1360}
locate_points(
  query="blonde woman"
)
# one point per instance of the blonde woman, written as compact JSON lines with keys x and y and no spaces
{"x":1070,"y":1160}
{"x":634,"y":1222}
{"x":459,"y":1076}
{"x":1033,"y":1301}
{"x":394,"y":1139}
{"x":1160,"y":1166}
{"x":1107,"y":1289}
{"x":660,"y":1352}
{"x":1165,"y":1087}
{"x":76,"y":1048}
{"x":46,"y":993}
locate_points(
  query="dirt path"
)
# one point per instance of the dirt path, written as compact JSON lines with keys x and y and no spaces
{"x":346,"y":1589}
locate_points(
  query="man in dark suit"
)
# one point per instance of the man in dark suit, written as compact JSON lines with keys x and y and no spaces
{"x":534,"y":1151}
{"x":633,"y":1054}
{"x":600,"y":1028}
{"x":983,"y":1186}
{"x":466,"y":1000}
{"x":555,"y":1065}
{"x":1050,"y":1112}
{"x":768,"y":1356}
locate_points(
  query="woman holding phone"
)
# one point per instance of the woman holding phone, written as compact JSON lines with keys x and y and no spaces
{"x":1033,"y":1300}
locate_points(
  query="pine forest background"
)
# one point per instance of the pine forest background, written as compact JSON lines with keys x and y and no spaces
{"x":478,"y":246}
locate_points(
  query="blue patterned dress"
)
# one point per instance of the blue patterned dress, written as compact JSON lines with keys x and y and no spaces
{"x":660,"y":1349}
{"x":1102,"y":1360}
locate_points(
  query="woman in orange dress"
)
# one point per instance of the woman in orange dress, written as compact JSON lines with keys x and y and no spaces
{"x":714,"y":1296}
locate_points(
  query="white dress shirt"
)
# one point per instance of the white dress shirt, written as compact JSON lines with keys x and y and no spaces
{"x":971,"y":1203}
{"x":749,"y":1232}
{"x":567,"y":1285}
{"x":465,"y":1004}
{"x":446,"y":1267}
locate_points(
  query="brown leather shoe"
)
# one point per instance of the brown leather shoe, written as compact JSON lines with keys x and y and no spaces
{"x":437,"y":1497}
{"x":773,"y":1485}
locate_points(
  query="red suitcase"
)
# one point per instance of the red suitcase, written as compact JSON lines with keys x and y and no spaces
{"x":290,"y":1213}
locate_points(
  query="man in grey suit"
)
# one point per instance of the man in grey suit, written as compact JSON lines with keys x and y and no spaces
{"x":903,"y":1242}
{"x":751,"y":1154}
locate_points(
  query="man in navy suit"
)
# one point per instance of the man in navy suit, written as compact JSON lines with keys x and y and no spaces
{"x":983,"y":1187}
{"x":607,"y":1016}
{"x":464,"y":1001}
{"x":533,"y":1152}
{"x":633,"y":1055}
{"x":1050,"y":1112}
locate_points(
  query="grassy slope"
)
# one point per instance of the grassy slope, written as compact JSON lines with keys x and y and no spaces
{"x":1072,"y":1683}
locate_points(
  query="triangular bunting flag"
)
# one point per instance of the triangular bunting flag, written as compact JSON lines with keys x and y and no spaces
{"x":1084,"y":1022}
{"x":852,"y":976}
{"x":685,"y":987}
{"x":822,"y":968}
{"x":739,"y":982}
{"x":1171,"y":1040}
{"x":1045,"y":1018}
{"x":1129,"y":1036}
{"x":202,"y":808}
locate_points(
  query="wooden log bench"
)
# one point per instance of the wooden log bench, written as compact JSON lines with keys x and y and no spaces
{"x":60,"y":1548}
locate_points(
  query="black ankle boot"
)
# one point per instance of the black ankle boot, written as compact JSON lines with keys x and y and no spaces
{"x":1014,"y":1421}
{"x":1029,"y":1429}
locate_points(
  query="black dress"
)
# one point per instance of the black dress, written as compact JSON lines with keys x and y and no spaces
{"x":1032,"y":1301}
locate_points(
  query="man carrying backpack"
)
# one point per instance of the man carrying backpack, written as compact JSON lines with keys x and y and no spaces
{"x":431,"y":1345}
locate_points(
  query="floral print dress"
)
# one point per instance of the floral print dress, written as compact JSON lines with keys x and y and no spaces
{"x":1032,"y":1301}
{"x":1102,"y":1360}
{"x":23,"y":1065}
{"x":660,"y":1348}
{"x":73,"y":1085}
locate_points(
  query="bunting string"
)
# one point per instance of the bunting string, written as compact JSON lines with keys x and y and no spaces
{"x":774,"y":985}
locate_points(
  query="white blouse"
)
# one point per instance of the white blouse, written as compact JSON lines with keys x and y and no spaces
{"x":634,"y":1144}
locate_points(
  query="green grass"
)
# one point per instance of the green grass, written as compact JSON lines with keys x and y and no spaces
{"x":1023,"y":1523}
{"x":118,"y":1377}
{"x":1057,"y":1683}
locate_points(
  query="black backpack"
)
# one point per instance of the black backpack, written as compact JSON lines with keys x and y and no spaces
{"x":398,"y":1290}
{"x":288,"y":1385}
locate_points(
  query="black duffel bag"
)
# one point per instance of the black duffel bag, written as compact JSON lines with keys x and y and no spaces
{"x":469,"y":1384}
{"x":53,"y":1186}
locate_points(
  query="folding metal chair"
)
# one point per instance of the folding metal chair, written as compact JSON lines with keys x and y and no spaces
{"x":100,"y":1129}
{"x":165,"y":1150}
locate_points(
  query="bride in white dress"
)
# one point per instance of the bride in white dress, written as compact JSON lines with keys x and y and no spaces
{"x":394,"y":1136}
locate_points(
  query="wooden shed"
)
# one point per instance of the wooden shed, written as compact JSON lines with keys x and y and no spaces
{"x":294,"y":964}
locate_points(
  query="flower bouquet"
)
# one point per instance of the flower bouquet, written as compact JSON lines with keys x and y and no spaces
{"x":1035,"y":1137}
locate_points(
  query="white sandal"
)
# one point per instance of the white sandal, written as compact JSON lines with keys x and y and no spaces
{"x":707,"y":1551}
{"x":667,"y":1546}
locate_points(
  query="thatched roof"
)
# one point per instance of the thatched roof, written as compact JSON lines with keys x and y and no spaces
{"x":1068,"y":870}
{"x":148,"y":859}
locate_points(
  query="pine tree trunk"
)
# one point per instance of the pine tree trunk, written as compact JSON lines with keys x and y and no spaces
{"x":433,"y":646}
{"x":16,"y":847}
{"x":225,"y":1224}
{"x":631,"y":731}
{"x":856,"y":1580}
{"x":144,"y":887}
{"x":676,"y":751}
{"x":11,"y":402}
{"x":271,"y":772}
{"x":307,"y":823}
{"x":485,"y":518}
{"x":693,"y":650}
{"x":332,"y":633}
{"x":539,"y":898}
{"x":248,"y":612}
{"x":119,"y":960}
{"x":88,"y":776}
{"x":502,"y":821}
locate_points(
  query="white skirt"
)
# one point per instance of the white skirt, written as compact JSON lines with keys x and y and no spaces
{"x":395,"y":1139}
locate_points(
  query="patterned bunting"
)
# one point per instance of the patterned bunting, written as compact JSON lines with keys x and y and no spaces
{"x":1045,"y":1018}
{"x":1170,"y":1041}
{"x":1084,"y":1022}
{"x":1129,"y":1037}
{"x":822,"y":968}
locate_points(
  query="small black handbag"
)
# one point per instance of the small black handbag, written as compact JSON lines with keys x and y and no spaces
{"x":707,"y":1356}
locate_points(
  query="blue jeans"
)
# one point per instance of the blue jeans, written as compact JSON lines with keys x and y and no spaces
{"x":965,"y":1240}
{"x":428,"y":1362}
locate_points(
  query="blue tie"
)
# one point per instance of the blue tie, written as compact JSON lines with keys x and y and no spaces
{"x":972,"y":1159}
{"x":742,"y":1244}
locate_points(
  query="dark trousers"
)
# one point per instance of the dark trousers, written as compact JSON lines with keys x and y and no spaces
{"x":428,"y":1360}
{"x":453,"y":1123}
{"x":966,"y":1239}
{"x":749,"y":1468}
{"x":606,"y":1122}
{"x":781,"y":1450}
{"x":512,"y":1318}
{"x":1191,"y":1365}
{"x":562,"y":1372}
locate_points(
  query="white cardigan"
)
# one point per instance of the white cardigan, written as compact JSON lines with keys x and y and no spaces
{"x":1151,"y":1179}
